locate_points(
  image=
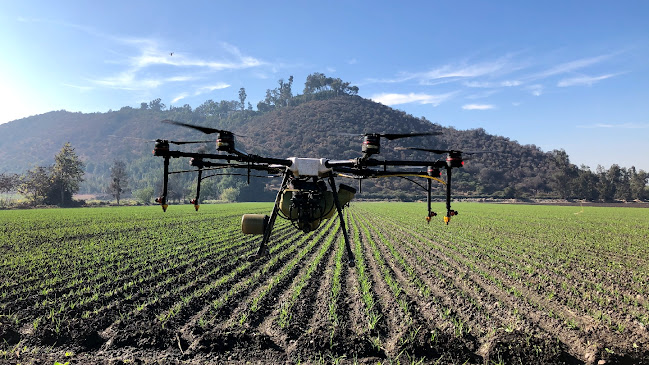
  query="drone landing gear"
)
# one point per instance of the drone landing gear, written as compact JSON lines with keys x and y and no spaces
{"x":263,"y":247}
{"x":430,"y":212}
{"x":350,"y":254}
{"x":270,"y":222}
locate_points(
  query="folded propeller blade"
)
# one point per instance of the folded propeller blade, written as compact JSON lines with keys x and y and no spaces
{"x":445,"y":151}
{"x":391,"y":136}
{"x":188,"y":142}
{"x":205,"y":130}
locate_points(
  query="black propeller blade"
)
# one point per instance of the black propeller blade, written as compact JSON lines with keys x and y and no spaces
{"x":188,"y":142}
{"x":158,"y":140}
{"x":391,"y":136}
{"x":205,"y":130}
{"x":444,"y":151}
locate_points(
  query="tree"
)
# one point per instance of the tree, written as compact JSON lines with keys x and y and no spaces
{"x":605,"y":185}
{"x":563,"y":178}
{"x":35,"y":184}
{"x":8,"y":182}
{"x":144,"y":195}
{"x":118,"y":180}
{"x":285,"y":93}
{"x":67,"y":173}
{"x":585,"y":184}
{"x":623,"y":186}
{"x":230,"y":194}
{"x":638,"y":183}
{"x":242,"y":98}
{"x":317,"y":82}
{"x":156,"y":104}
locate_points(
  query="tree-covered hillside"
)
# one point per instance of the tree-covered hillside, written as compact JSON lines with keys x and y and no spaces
{"x":325,"y":121}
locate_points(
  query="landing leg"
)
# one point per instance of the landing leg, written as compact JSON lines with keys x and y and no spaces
{"x":263,"y":247}
{"x":350,"y":254}
{"x":449,"y":212}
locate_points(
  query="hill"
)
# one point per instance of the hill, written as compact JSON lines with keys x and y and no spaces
{"x":306,"y":128}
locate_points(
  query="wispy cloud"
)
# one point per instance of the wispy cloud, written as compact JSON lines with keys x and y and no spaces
{"x":571,"y":66}
{"x":219,"y":86}
{"x":80,"y":88}
{"x":478,"y":107}
{"x":536,"y":89}
{"x":583,"y":80}
{"x":179,"y":97}
{"x":396,"y":99}
{"x":200,"y":91}
{"x":450,"y":72}
{"x":150,"y":60}
{"x":616,"y":126}
{"x":492,"y":85}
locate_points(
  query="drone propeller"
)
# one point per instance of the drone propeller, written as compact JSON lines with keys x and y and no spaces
{"x":454,"y":152}
{"x":158,"y":140}
{"x":372,"y":141}
{"x":188,"y":142}
{"x":206,"y":130}
{"x":390,"y":136}
{"x":225,"y":141}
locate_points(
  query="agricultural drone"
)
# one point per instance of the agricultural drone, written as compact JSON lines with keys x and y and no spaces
{"x":304,"y":197}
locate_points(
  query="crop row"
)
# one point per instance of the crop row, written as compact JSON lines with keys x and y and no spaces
{"x":180,"y":283}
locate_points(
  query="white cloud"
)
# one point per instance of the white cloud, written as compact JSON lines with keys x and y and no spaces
{"x":536,"y":89}
{"x":571,"y":66}
{"x":485,"y":84}
{"x":451,"y":72}
{"x":396,"y":99}
{"x":80,"y":88}
{"x":149,"y":55}
{"x":478,"y":107}
{"x":583,"y":80}
{"x":201,"y":90}
{"x":219,"y":86}
{"x":179,"y":97}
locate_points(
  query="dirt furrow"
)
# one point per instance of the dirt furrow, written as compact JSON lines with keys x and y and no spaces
{"x":529,"y":306}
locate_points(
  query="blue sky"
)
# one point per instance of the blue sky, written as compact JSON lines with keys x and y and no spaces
{"x":556,"y":74}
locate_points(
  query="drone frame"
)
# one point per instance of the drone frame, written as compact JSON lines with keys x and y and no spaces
{"x":321,"y":171}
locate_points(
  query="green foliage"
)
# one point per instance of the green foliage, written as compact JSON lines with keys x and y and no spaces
{"x":498,"y":272}
{"x":318,"y":82}
{"x":8,"y":182}
{"x":230,"y":194}
{"x":118,"y":180}
{"x":35,"y":184}
{"x":144,"y":195}
{"x":67,"y":174}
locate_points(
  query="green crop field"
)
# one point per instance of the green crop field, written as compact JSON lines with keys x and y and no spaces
{"x":500,"y":284}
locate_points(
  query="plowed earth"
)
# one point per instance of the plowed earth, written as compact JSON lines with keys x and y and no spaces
{"x":134,"y":285}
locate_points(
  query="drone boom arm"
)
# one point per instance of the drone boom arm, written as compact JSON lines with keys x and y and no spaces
{"x":360,"y":163}
{"x":242,"y":157}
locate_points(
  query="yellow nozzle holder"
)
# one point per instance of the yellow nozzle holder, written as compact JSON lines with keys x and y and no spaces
{"x":196,"y":207}
{"x":447,"y":219}
{"x":427,"y":219}
{"x":164,"y":207}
